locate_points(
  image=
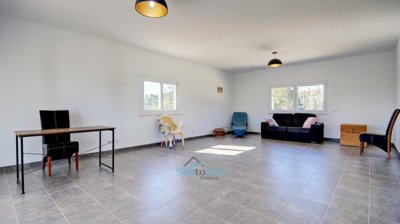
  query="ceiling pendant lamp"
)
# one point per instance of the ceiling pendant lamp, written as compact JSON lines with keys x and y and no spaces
{"x":152,"y":8}
{"x":274,"y":63}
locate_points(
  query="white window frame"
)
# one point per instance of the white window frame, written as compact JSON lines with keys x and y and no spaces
{"x":161,"y":81}
{"x":295,"y":86}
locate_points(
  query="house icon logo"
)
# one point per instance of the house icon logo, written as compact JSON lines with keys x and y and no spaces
{"x":194,"y":167}
{"x":193,"y":160}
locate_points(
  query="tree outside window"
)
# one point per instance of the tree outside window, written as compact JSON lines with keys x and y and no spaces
{"x":159,"y":96}
{"x":302,"y":98}
{"x":282,"y":99}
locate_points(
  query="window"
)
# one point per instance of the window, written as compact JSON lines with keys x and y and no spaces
{"x":310,"y":98}
{"x":159,"y":97}
{"x":299,"y":98}
{"x":282,"y":98}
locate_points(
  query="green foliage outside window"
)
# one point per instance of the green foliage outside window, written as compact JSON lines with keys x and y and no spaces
{"x":159,"y":96}
{"x":151,"y":102}
{"x":308,"y":98}
{"x":282,"y":98}
{"x":169,"y":97}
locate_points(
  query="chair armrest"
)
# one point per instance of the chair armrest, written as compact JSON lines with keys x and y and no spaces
{"x":318,"y":124}
{"x":316,"y":127}
{"x":264,"y":124}
{"x":317,"y":132}
{"x":264,"y":129}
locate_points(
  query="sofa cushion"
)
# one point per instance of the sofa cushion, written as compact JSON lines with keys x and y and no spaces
{"x":310,"y":121}
{"x":277,"y":128}
{"x":298,"y":130}
{"x":283,"y":119}
{"x":272,"y":122}
{"x":300,"y":118}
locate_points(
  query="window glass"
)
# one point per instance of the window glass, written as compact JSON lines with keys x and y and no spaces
{"x":299,"y":98}
{"x":310,"y":98}
{"x":152,"y":96}
{"x":169,"y":96}
{"x":282,"y":98}
{"x":159,"y":97}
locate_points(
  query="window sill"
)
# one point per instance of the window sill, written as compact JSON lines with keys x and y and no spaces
{"x":158,"y":113}
{"x":303,"y":112}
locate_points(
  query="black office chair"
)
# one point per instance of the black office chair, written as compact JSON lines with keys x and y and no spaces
{"x":382,"y":141}
{"x":58,"y":146}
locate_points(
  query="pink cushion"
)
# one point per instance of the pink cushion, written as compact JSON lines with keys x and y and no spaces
{"x":272,"y":122}
{"x":310,"y":121}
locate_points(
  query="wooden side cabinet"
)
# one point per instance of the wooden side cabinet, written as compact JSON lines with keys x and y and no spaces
{"x":350,"y":134}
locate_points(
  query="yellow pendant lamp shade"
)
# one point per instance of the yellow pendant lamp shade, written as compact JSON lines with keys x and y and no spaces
{"x":152,"y":8}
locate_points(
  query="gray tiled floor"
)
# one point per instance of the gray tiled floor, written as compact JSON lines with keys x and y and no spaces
{"x":277,"y":182}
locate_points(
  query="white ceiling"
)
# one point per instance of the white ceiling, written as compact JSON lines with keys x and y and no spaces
{"x":230,"y":35}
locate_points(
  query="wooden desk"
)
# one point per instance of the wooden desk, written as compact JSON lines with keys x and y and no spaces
{"x":33,"y":133}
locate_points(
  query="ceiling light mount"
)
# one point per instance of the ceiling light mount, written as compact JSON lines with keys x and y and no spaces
{"x":274,"y":63}
{"x":152,"y":8}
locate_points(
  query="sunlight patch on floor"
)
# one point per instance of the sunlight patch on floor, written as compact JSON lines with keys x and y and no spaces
{"x":229,"y":150}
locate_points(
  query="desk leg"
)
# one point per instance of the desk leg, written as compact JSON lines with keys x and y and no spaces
{"x":17,"y":162}
{"x":22,"y":166}
{"x":99,"y":148}
{"x":112,"y":150}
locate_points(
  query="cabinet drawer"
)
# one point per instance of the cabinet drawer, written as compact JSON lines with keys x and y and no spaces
{"x":354,"y":129}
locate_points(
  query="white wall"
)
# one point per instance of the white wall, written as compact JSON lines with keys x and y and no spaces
{"x":98,"y":81}
{"x":397,"y":104}
{"x":359,"y":90}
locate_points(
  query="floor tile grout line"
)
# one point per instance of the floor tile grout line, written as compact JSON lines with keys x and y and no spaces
{"x":340,"y":179}
{"x":119,"y":220}
{"x":52,"y":199}
{"x":127,"y":193}
{"x":120,"y":189}
{"x":257,"y":197}
{"x":281,"y":212}
{"x":9,"y":192}
{"x":201,"y":210}
{"x":287,"y":205}
{"x":227,"y":221}
{"x":198,"y":210}
{"x":220,"y":198}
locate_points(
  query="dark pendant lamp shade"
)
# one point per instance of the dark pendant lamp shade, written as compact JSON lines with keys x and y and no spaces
{"x":153,"y":8}
{"x":274,"y":63}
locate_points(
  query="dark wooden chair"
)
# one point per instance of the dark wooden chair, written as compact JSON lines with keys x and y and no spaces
{"x":382,"y":141}
{"x":58,"y":146}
